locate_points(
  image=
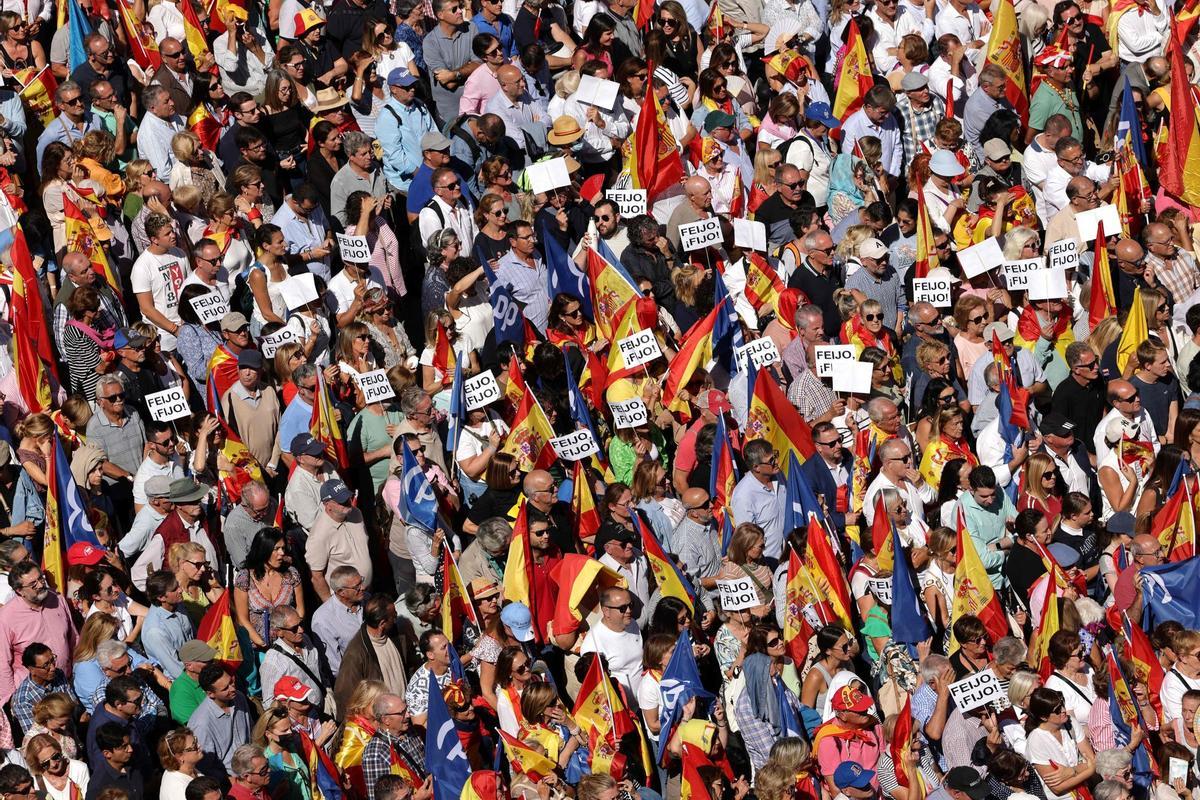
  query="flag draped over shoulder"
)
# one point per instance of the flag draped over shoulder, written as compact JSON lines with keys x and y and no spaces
{"x":217,"y":630}
{"x":654,"y":162}
{"x":1004,"y":50}
{"x":1179,"y":167}
{"x":855,"y":78}
{"x":67,"y":520}
{"x":456,"y":603}
{"x":973,"y":591}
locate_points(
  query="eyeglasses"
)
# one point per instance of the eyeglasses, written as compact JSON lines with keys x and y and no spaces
{"x":601,"y":217}
{"x":774,"y":642}
{"x":165,"y":54}
{"x":311,"y":388}
{"x":1129,"y":399}
{"x":665,"y":21}
{"x":830,"y":443}
{"x":38,"y":581}
{"x":1088,"y":365}
{"x":449,"y":185}
{"x":54,"y":759}
{"x":290,"y":628}
{"x":134,"y":701}
{"x":977,"y":320}
{"x":902,"y":458}
{"x":77,"y":100}
{"x":621,"y":609}
{"x":495,"y":51}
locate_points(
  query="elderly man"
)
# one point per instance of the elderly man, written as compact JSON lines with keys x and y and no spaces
{"x":777,"y":210}
{"x":697,"y":206}
{"x":1068,"y":451}
{"x":1126,"y":404}
{"x":878,"y":281}
{"x":818,"y":278}
{"x":306,"y":229}
{"x":1025,"y":366}
{"x":79,"y":272}
{"x":920,"y":109}
{"x":435,"y":153}
{"x":417,"y":406}
{"x":927,"y":324}
{"x":35,"y":614}
{"x":338,"y":619}
{"x":875,"y":118}
{"x":485,"y":557}
{"x":447,"y":208}
{"x":43,"y":677}
{"x":759,"y":496}
{"x":649,"y":257}
{"x":513,"y":104}
{"x":117,"y":428}
{"x":246,"y":519}
{"x":896,"y":471}
{"x":401,"y":124}
{"x":73,"y":122}
{"x":982,"y":104}
{"x":338,"y":537}
{"x":1082,"y":195}
{"x":186,"y":522}
{"x":358,"y":174}
{"x":291,"y":654}
{"x":618,"y":638}
{"x":1169,"y":267}
{"x":808,"y":393}
{"x":253,"y":409}
{"x":541,"y":493}
{"x":186,"y":693}
{"x":249,"y":773}
{"x":694,"y":541}
{"x":146,"y":521}
{"x":102,"y":64}
{"x":302,"y":498}
{"x":1068,"y":152}
{"x":159,"y":125}
{"x":393,"y":742}
{"x":620,"y":550}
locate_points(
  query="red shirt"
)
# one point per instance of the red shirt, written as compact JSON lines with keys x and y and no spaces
{"x":545,"y":592}
{"x":239,"y":792}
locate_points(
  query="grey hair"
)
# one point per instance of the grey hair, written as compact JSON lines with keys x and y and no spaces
{"x":809,"y":315}
{"x":1021,"y":685}
{"x":253,"y":487}
{"x":1110,"y":762}
{"x":756,"y":452}
{"x":8,"y":548}
{"x":341,"y":576}
{"x":279,"y":617}
{"x":1110,"y":790}
{"x":891,"y":447}
{"x":409,"y":397}
{"x":108,"y":650}
{"x":419,"y":599}
{"x":111,"y":379}
{"x":1016,"y":239}
{"x":65,"y":87}
{"x":383,"y":703}
{"x":932,"y":666}
{"x":438,"y":240}
{"x":1089,"y":610}
{"x":890,"y":496}
{"x":151,"y":94}
{"x":813,"y":239}
{"x":494,"y":534}
{"x":302,"y":372}
{"x":991,"y":376}
{"x":1009,"y":650}
{"x":353,"y":141}
{"x":243,"y":758}
{"x":877,"y":409}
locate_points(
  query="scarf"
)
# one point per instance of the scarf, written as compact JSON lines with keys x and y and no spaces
{"x":760,"y":690}
{"x":103,"y":339}
{"x":1030,"y":326}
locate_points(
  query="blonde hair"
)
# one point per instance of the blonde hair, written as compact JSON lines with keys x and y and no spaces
{"x":55,"y":704}
{"x":684,"y":280}
{"x":1035,"y":467}
{"x":928,"y":352}
{"x":32,"y":746}
{"x":136,"y":170}
{"x":1107,"y":331}
{"x":97,"y":628}
{"x":187,"y":197}
{"x":34,"y":426}
{"x":854,"y":236}
{"x":567,"y":83}
{"x":744,"y":537}
{"x":773,"y":782}
{"x":180,"y":551}
{"x":184,"y":145}
{"x":364,"y":697}
{"x":764,"y":174}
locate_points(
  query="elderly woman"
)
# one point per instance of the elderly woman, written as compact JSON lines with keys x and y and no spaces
{"x":442,"y":248}
{"x":972,"y":316}
{"x":1020,"y":688}
{"x":946,"y":443}
{"x":933,"y":361}
{"x":361,"y":724}
{"x":54,"y":716}
{"x":55,"y":774}
{"x":250,"y":196}
{"x":195,"y":166}
{"x":745,"y":560}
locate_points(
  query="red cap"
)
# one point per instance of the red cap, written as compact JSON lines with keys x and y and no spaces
{"x":289,"y":687}
{"x":85,"y":553}
{"x":850,"y":699}
{"x":715,"y":401}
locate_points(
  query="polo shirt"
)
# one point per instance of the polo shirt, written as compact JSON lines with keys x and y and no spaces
{"x":220,"y":732}
{"x":333,"y":544}
{"x":184,"y":697}
{"x":163,"y":633}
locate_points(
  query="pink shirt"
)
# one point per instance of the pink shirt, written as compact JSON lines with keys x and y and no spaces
{"x":21,"y":625}
{"x":479,"y":88}
{"x":833,"y":751}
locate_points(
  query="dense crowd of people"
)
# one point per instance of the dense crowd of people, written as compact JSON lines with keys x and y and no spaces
{"x":415,"y":400}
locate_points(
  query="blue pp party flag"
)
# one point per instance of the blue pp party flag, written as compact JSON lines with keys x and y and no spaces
{"x":680,"y":683}
{"x":909,"y":625}
{"x":445,"y":758}
{"x":563,"y":275}
{"x":1169,"y":593}
{"x":418,"y":503}
{"x":458,"y":409}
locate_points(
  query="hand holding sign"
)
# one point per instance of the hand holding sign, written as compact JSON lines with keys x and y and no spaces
{"x":481,"y":390}
{"x":375,"y":386}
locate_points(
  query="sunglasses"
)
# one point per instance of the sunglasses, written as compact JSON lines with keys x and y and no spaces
{"x":873,"y":317}
{"x":621,"y":609}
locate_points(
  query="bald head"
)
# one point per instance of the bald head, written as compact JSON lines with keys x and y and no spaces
{"x":1157,"y":67}
{"x":1156,"y":232}
{"x":694,"y":499}
{"x":511,"y":81}
{"x":1081,"y":191}
{"x":788,"y":173}
{"x":923,"y":312}
{"x":539,"y":480}
{"x":1145,"y":545}
{"x":1129,"y":253}
{"x":893,"y":448}
{"x":157,"y":189}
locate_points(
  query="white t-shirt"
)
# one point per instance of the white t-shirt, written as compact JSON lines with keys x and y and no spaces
{"x":1043,"y":747}
{"x":472,"y":441}
{"x":1173,"y":687}
{"x":649,"y":698}
{"x":1079,"y":701}
{"x":221,"y":286}
{"x":342,"y":288}
{"x":147,"y":470}
{"x":163,"y":277}
{"x":623,"y":649}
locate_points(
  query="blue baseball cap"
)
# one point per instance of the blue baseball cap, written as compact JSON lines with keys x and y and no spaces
{"x":822,"y":113}
{"x":852,"y":773}
{"x":128,"y":337}
{"x":517,"y":617}
{"x":400,"y":77}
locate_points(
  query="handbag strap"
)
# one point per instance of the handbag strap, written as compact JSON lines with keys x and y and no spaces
{"x":299,"y":663}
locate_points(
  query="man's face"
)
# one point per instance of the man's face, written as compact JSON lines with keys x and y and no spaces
{"x":900,"y":461}
{"x":223,"y":689}
{"x":1071,"y":160}
{"x":33,"y":587}
{"x":44,"y":667}
{"x":606,"y":220}
{"x":82,"y":274}
{"x":396,"y":720}
{"x":292,"y":632}
{"x":539,"y":536}
{"x":258,"y":775}
{"x":993,"y":89}
{"x":249,"y":113}
{"x":1160,"y":367}
{"x":514,"y":87}
{"x":208,"y":261}
{"x":363,"y":157}
{"x":165,"y":237}
{"x":723,"y":134}
{"x":73,"y":104}
{"x":702,"y":200}
{"x":163,"y":444}
{"x":876,"y":266}
{"x":523,"y":241}
{"x":877,"y":114}
{"x":822,"y":254}
{"x":449,"y":188}
{"x":122,"y":754}
{"x":164,"y":106}
{"x":100,"y":54}
{"x":239,"y":338}
{"x":451,"y":14}
{"x":439,"y":651}
{"x":985,"y":495}
{"x":619,"y":611}
{"x":248,"y":376}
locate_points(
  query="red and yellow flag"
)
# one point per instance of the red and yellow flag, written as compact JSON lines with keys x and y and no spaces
{"x":525,"y":760}
{"x":773,"y":418}
{"x":763,"y":284}
{"x":518,"y":570}
{"x":1134,"y":332}
{"x":830,"y":590}
{"x":1103,"y":302}
{"x":204,"y":124}
{"x":218,"y":631}
{"x":927,"y":255}
{"x":444,"y":357}
{"x":194,"y":31}
{"x":33,"y":380}
{"x":456,"y":603}
{"x":612,"y":294}
{"x":697,"y":350}
{"x":1174,"y":524}
{"x":142,"y":46}
{"x":54,"y":560}
{"x":855,"y":78}
{"x":583,"y":504}
{"x":1004,"y":50}
{"x":973,"y":591}
{"x":654,"y":162}
{"x":881,"y":536}
{"x":529,"y":439}
{"x":82,"y":238}
{"x":325,"y":428}
{"x":796,"y":627}
{"x":38,"y":88}
{"x":1048,"y":625}
{"x":1180,"y":167}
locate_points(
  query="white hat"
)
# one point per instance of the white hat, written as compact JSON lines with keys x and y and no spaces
{"x":872,"y":248}
{"x":944,"y":164}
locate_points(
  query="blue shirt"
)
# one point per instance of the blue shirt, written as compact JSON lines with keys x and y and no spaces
{"x":502,"y":29}
{"x":420,"y":188}
{"x":295,"y":420}
{"x":86,"y":677}
{"x":763,"y":505}
{"x":163,"y":633}
{"x":399,"y":129}
{"x":56,"y":131}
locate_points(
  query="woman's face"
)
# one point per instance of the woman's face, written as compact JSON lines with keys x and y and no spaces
{"x":637,"y":82}
{"x":253,"y":192}
{"x":939,"y":367}
{"x":720,"y":90}
{"x":606,"y":39}
{"x":362,"y":344}
{"x":755,"y":550}
{"x":333,"y":142}
{"x":66,"y":167}
{"x":285,"y":91}
{"x":19,"y":32}
{"x":96,"y":476}
{"x":873,"y":319}
{"x":189,"y":755}
{"x":450,"y":251}
{"x":906,"y":222}
{"x":954,"y":427}
{"x":281,"y":729}
{"x":58,"y":724}
{"x":620,"y":509}
{"x":278,"y":555}
{"x":50,"y":759}
{"x":1043,"y":534}
{"x":976,"y":320}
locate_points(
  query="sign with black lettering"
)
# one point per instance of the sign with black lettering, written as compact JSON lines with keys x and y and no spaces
{"x":638,"y":348}
{"x":355,"y":249}
{"x":1016,"y":272}
{"x":1063,"y":254}
{"x":738,"y":595}
{"x":762,"y":352}
{"x":375,"y":386}
{"x":210,"y":307}
{"x":629,"y":413}
{"x":830,"y":355}
{"x":481,"y":390}
{"x":270,"y":344}
{"x":168,"y":404}
{"x":700,"y":234}
{"x":881,"y":588}
{"x":935,"y":291}
{"x":630,"y":202}
{"x":975,"y":690}
{"x":575,"y":446}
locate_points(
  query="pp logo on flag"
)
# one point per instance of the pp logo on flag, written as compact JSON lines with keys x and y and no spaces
{"x":424,"y":494}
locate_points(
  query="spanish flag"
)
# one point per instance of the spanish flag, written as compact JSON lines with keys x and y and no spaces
{"x":518,"y":570}
{"x":881,"y":536}
{"x":671,"y":582}
{"x":762,"y":283}
{"x":31,"y":302}
{"x":194,"y":31}
{"x":583,"y":504}
{"x":627,"y":325}
{"x":525,"y":760}
{"x":529,"y":439}
{"x":142,"y":47}
{"x":612,"y":293}
{"x":323,"y":775}
{"x":654,"y":162}
{"x":37,"y":91}
{"x":773,"y":418}
{"x":1180,"y":168}
{"x":456,"y":603}
{"x":576,"y":575}
{"x":222,"y":375}
{"x":444,"y":357}
{"x":54,"y":561}
{"x":1048,"y":625}
{"x":907,"y":774}
{"x":1174,"y":524}
{"x":82,"y":237}
{"x":692,"y":785}
{"x":32,"y":380}
{"x":696,"y":352}
{"x":973,"y":591}
{"x":1103,"y":301}
{"x":1004,"y":50}
{"x":218,"y":631}
{"x":796,"y":628}
{"x":600,"y":709}
{"x":855,"y":78}
{"x":1146,"y":667}
{"x":1135,"y":330}
{"x":723,"y":476}
{"x":927,"y":255}
{"x":204,"y":124}
{"x":515,"y":388}
{"x":325,"y":427}
{"x":825,"y":577}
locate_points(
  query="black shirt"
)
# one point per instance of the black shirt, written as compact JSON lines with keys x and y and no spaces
{"x":104,"y":777}
{"x":1157,"y":398}
{"x":85,"y":75}
{"x":777,"y":216}
{"x":1083,"y":405}
{"x":494,"y":503}
{"x":1022,"y":568}
{"x":820,"y":289}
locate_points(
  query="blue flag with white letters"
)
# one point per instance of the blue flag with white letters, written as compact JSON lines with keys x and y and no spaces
{"x":506,"y":315}
{"x":1169,"y":593}
{"x":909,"y":625}
{"x":445,"y":758}
{"x":680,"y":683}
{"x":418,"y":504}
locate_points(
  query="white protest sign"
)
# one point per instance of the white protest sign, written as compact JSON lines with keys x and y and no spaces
{"x":979,"y":258}
{"x":1088,"y":222}
{"x":975,"y":690}
{"x":375,"y":386}
{"x":298,"y":291}
{"x":270,"y":344}
{"x":546,"y":176}
{"x":881,"y":588}
{"x":1016,"y":272}
{"x":932,"y":290}
{"x":355,"y":249}
{"x":1063,"y":254}
{"x":597,"y":92}
{"x":854,"y":377}
{"x":829,"y":355}
{"x":751,"y":234}
{"x":762,"y":352}
{"x":1047,"y":284}
{"x":638,"y":348}
{"x":168,"y":404}
{"x":210,"y":307}
{"x":630,"y":202}
{"x":481,"y":390}
{"x":700,"y":234}
{"x":1177,"y":770}
{"x":738,"y":595}
{"x":629,"y":413}
{"x":575,"y":446}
